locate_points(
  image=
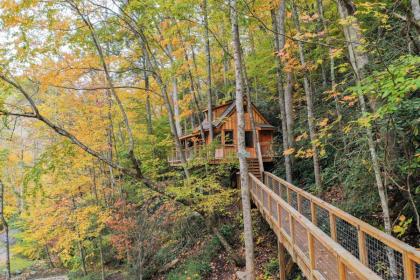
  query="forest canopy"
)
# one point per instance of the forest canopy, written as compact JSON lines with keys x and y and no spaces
{"x":96,"y":97}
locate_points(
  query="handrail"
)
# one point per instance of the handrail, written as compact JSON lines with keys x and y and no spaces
{"x":373,"y":249}
{"x":174,"y":156}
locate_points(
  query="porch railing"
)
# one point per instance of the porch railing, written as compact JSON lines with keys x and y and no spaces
{"x":216,"y":152}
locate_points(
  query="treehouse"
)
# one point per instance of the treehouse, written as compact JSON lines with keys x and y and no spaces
{"x":225,"y":140}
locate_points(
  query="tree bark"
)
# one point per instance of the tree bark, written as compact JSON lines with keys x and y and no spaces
{"x":309,"y":104}
{"x":209,"y":82}
{"x":288,"y":104}
{"x":242,"y":154}
{"x":176,"y":105}
{"x":278,"y":19}
{"x":6,"y":231}
{"x":148,"y":106}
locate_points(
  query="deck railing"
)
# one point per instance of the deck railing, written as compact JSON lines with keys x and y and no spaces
{"x":216,"y":152}
{"x":328,"y":243}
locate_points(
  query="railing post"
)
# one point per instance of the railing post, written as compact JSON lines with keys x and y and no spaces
{"x":292,"y":236}
{"x":311,"y":252}
{"x":409,"y":271}
{"x":333,"y":226}
{"x":341,"y":270}
{"x":282,"y":259}
{"x":313,"y":213}
{"x":299,"y":202}
{"x":361,"y":239}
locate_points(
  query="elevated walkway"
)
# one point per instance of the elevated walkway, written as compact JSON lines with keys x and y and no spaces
{"x":326,"y":242}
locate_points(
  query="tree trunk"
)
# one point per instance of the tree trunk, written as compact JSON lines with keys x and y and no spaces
{"x":309,"y":104}
{"x":415,"y":7}
{"x":277,"y":49}
{"x":242,"y":154}
{"x":6,"y":231}
{"x":176,"y":106}
{"x":250,"y":109}
{"x":288,"y":105}
{"x":209,"y":82}
{"x":148,"y":106}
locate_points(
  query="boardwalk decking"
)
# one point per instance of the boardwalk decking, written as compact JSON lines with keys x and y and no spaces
{"x":326,"y":242}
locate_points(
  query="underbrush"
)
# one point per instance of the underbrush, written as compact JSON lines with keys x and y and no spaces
{"x":198,"y":266}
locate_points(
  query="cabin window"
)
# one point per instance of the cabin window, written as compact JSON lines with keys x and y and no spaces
{"x":218,"y":137}
{"x":228,"y":137}
{"x":249,"y":139}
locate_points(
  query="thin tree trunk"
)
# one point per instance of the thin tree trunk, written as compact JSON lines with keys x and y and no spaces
{"x":6,"y":231}
{"x":148,"y":106}
{"x":415,"y":7}
{"x":278,"y":47}
{"x":176,"y":105}
{"x":309,"y":104}
{"x":209,"y":82}
{"x":288,"y":105}
{"x":95,"y":193}
{"x":250,"y":109}
{"x":47,"y":251}
{"x":243,"y":164}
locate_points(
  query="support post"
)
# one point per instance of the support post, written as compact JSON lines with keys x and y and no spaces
{"x":409,"y":270}
{"x":333,"y":226}
{"x":311,"y":253}
{"x":313,"y":213}
{"x":361,"y":239}
{"x":282,"y":259}
{"x":341,"y":270}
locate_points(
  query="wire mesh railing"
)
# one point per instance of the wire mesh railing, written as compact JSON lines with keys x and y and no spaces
{"x":327,"y":242}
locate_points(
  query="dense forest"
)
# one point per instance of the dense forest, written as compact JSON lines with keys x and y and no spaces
{"x":95,"y":95}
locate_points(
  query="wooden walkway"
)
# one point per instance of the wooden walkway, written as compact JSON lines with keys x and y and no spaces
{"x":326,"y":242}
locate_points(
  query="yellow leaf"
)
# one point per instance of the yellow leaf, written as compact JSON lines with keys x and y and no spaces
{"x":289,"y":151}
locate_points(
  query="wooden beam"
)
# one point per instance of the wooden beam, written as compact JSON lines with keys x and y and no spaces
{"x":361,"y":239}
{"x":282,"y":260}
{"x":333,"y":226}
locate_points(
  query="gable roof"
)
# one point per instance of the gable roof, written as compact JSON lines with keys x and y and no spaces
{"x":228,"y":111}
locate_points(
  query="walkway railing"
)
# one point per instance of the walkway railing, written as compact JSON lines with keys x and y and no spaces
{"x":217,"y":152}
{"x":328,"y":243}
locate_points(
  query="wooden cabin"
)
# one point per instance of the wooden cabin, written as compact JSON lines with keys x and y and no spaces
{"x":226,"y":136}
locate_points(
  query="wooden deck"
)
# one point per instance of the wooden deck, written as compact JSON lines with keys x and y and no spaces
{"x":220,"y":153}
{"x":326,"y":242}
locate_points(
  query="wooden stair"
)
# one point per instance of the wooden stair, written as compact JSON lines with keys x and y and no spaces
{"x":254,"y":167}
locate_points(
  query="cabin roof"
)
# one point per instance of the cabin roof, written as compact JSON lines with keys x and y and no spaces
{"x":230,"y":109}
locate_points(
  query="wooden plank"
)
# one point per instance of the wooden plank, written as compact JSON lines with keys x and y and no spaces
{"x":311,"y":251}
{"x":299,"y":202}
{"x":313,"y":213}
{"x":409,"y":271}
{"x":333,"y":226}
{"x":282,"y":260}
{"x":341,"y":270}
{"x":361,"y":239}
{"x":292,"y":235}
